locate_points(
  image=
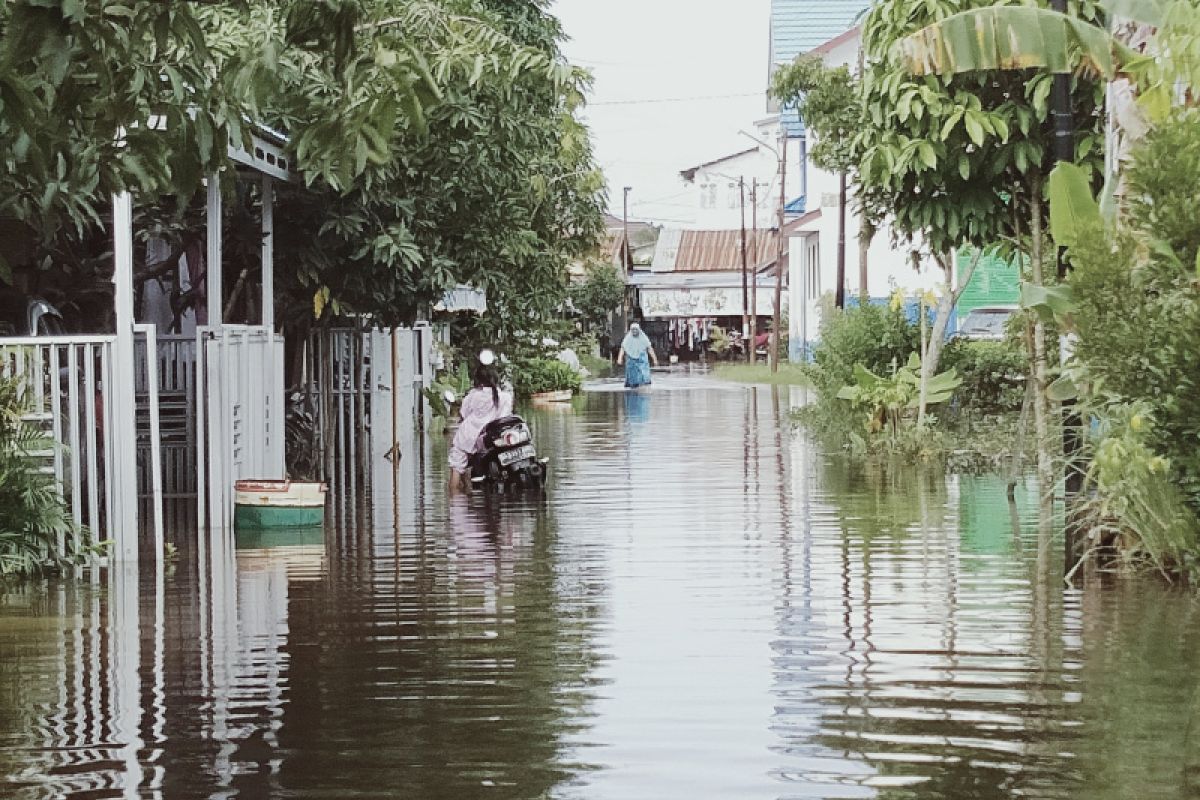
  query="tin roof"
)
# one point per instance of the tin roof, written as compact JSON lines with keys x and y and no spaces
{"x":713,"y":251}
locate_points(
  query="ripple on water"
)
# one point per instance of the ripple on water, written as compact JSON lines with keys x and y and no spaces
{"x":705,"y":606}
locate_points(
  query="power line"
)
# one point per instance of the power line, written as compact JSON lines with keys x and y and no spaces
{"x":656,"y":100}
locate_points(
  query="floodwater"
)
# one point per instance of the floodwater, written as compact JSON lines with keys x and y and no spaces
{"x":705,"y":607}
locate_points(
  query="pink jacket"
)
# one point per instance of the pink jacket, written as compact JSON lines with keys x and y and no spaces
{"x":478,"y":410}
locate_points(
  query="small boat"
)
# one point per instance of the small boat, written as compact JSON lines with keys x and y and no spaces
{"x":278,"y":504}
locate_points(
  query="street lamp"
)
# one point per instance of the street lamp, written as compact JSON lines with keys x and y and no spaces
{"x":782,"y":156}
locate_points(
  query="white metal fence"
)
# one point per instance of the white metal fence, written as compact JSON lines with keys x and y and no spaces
{"x":71,"y":393}
{"x":239,"y":417}
{"x":364,"y":391}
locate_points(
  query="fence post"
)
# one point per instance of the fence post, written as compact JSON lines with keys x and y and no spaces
{"x":120,"y":440}
{"x":156,"y":472}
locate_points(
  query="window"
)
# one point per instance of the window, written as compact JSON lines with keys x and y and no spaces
{"x":712,"y":195}
{"x":704,"y":195}
{"x":734,"y":199}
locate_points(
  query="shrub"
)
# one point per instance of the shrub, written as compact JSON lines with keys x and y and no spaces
{"x":1138,"y":299}
{"x":993,"y":374}
{"x":544,"y":375}
{"x":1137,"y":505}
{"x":598,"y":294}
{"x":32,"y":516}
{"x":879,"y":338}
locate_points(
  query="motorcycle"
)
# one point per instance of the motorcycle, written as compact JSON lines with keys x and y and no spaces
{"x":508,"y":460}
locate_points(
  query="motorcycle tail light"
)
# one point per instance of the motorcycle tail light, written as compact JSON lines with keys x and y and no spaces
{"x":512,"y":438}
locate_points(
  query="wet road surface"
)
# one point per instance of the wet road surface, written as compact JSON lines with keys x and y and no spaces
{"x":705,"y":606}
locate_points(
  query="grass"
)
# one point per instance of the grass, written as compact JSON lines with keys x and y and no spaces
{"x":788,"y":374}
{"x":598,"y":367}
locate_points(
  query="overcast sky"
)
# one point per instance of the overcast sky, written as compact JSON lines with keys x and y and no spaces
{"x":670,"y":53}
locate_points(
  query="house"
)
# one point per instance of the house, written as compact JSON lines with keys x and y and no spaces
{"x":802,"y":26}
{"x":696,"y":282}
{"x":643,"y":237}
{"x":815,"y":236}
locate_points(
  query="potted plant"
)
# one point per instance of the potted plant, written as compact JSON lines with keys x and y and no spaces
{"x":546,"y":380}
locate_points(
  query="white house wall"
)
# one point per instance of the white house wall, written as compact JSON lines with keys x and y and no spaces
{"x":713,"y":197}
{"x":889,"y":267}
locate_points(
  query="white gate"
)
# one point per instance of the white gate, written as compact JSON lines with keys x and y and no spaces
{"x":365,"y":392}
{"x":240,"y":415}
{"x":73,"y":395}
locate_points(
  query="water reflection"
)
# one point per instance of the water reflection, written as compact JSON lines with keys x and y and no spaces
{"x":706,"y":606}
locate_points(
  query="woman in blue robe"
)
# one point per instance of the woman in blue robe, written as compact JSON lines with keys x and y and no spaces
{"x":637,"y":354}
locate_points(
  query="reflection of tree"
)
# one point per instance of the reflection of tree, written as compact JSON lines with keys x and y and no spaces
{"x":1139,"y":680}
{"x":445,"y":676}
{"x":903,"y":668}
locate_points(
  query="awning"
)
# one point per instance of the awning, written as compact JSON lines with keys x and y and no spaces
{"x":463,"y":298}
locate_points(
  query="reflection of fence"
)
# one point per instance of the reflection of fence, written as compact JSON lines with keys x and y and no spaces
{"x":71,"y":394}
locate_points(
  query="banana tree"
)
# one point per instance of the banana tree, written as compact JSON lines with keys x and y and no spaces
{"x":887,"y":399}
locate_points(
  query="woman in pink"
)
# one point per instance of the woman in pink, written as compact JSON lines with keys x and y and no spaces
{"x":484,"y":404}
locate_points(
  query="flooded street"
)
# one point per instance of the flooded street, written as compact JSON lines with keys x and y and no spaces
{"x":705,"y":606}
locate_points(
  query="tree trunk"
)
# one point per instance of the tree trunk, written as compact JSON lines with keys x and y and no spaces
{"x":1041,"y":404}
{"x":866,"y":235}
{"x":839,"y":297}
{"x":937,"y":337}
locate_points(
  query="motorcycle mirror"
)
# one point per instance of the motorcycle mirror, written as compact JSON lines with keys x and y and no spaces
{"x":487,"y":357}
{"x":450,"y":397}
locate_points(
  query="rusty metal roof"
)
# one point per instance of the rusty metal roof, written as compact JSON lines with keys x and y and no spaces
{"x":712,"y":251}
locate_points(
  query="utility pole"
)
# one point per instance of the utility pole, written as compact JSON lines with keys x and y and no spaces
{"x":745,"y":287}
{"x":626,"y":266}
{"x":626,"y":256}
{"x":1064,"y":151}
{"x":779,"y":272}
{"x":754,"y":260}
{"x":840,"y":295}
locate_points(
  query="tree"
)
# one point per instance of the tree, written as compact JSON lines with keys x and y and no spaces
{"x":438,"y":141}
{"x":599,"y":294}
{"x":492,"y":183}
{"x":962,"y":159}
{"x":827,"y":100}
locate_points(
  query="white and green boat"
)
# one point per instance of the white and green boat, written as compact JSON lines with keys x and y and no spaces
{"x":270,"y":505}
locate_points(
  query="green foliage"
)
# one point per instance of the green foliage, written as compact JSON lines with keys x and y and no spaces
{"x":887,"y":400}
{"x":599,"y":294}
{"x":993,"y":374}
{"x":1138,"y":505}
{"x":1137,"y":301}
{"x":544,"y":375}
{"x":825,"y":98}
{"x":80,"y":81}
{"x":438,"y":142}
{"x":950,"y":156}
{"x":32,"y":516}
{"x":879,"y":338}
{"x":762,"y":374}
{"x":720,"y":341}
{"x":1009,"y":38}
{"x":456,"y":381}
